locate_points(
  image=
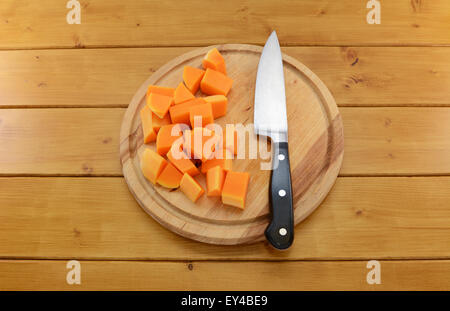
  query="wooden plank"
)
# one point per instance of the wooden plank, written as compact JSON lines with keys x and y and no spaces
{"x":396,"y":141}
{"x":97,"y":218}
{"x":68,"y":78}
{"x":84,"y":141}
{"x":356,"y":76}
{"x":166,"y":23}
{"x":381,"y":76}
{"x":60,"y":141}
{"x":132,"y":275}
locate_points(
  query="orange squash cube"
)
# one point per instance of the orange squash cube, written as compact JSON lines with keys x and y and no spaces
{"x":192,"y":77}
{"x":159,"y":104}
{"x":170,"y":177}
{"x":201,"y":115}
{"x":152,"y":165}
{"x":218,"y":104}
{"x":157,"y":122}
{"x":167,"y":135}
{"x":234,"y":189}
{"x":191,"y":188}
{"x":214,"y":181}
{"x":200,"y":143}
{"x":181,"y":161}
{"x":215,"y":61}
{"x":166,"y":91}
{"x":182,"y":94}
{"x":147,"y":125}
{"x":215,"y":83}
{"x":225,"y":161}
{"x":180,"y":113}
{"x":230,"y":139}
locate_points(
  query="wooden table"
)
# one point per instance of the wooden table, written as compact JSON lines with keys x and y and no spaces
{"x":63,"y":92}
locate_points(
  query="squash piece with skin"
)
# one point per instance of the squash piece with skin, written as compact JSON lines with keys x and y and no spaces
{"x":215,"y":61}
{"x":159,"y":104}
{"x":152,"y":165}
{"x":192,"y":77}
{"x":191,"y":188}
{"x":167,"y":135}
{"x":170,"y":177}
{"x":181,"y":161}
{"x":234,"y":189}
{"x":214,"y":181}
{"x":180,"y":113}
{"x":182,"y":94}
{"x":147,"y":125}
{"x":218,"y":104}
{"x":215,"y":83}
{"x":201,"y":115}
{"x":224,"y":161}
{"x":161,"y":90}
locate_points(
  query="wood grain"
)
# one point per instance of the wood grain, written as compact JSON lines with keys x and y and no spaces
{"x":378,"y":141}
{"x":166,"y":23}
{"x":60,"y":141}
{"x":97,"y":218}
{"x":232,"y":276}
{"x":387,"y":141}
{"x":356,"y":76}
{"x":74,"y":78}
{"x":314,"y":124}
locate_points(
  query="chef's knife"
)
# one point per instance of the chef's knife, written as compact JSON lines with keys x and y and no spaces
{"x":270,"y":120}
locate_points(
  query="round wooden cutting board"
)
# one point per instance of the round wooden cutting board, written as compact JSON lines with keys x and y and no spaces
{"x":316,"y":145}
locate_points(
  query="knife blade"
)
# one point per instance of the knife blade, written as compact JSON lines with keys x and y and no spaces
{"x":270,"y":119}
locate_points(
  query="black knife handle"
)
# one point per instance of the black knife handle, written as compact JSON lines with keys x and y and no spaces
{"x":280,"y":232}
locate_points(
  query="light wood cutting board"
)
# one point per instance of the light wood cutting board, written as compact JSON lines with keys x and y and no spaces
{"x":316,"y":145}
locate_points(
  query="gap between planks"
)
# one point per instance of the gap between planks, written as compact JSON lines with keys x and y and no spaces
{"x":406,"y":105}
{"x":104,"y":47}
{"x":224,"y":260}
{"x":412,"y":175}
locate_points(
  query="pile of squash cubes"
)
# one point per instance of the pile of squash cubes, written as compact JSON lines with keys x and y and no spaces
{"x":187,"y":142}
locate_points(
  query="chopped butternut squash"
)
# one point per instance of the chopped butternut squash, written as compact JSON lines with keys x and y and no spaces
{"x":214,"y":181}
{"x":228,"y":136}
{"x":191,"y":188}
{"x":157,"y":122}
{"x":181,"y":161}
{"x":200,"y":143}
{"x":215,"y":61}
{"x":152,"y":165}
{"x":182,"y":94}
{"x":215,"y":83}
{"x":167,"y":135}
{"x":192,"y":77}
{"x":166,"y":118}
{"x":230,"y":139}
{"x":159,"y":104}
{"x":170,"y":177}
{"x":222,"y":158}
{"x":201,"y":115}
{"x":147,"y":125}
{"x":167,"y":91}
{"x":234,"y":189}
{"x":180,"y":113}
{"x":218,"y":104}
